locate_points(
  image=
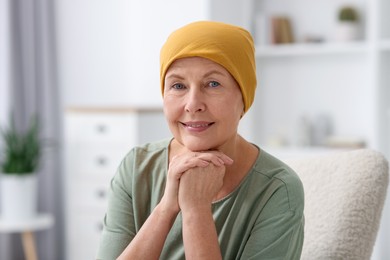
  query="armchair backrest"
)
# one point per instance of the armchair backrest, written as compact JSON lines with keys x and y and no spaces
{"x":344,"y":197}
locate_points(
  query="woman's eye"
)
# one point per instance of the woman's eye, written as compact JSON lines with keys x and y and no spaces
{"x":214,"y":84}
{"x":178,"y":86}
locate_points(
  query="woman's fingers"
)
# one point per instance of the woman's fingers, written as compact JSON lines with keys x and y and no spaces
{"x":203,"y":168}
{"x":199,"y":186}
{"x":216,"y":157}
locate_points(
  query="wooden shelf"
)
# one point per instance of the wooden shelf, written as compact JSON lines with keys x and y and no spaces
{"x":302,"y":49}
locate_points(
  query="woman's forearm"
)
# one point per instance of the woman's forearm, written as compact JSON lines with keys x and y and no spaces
{"x":149,"y":241}
{"x":200,"y":235}
{"x":198,"y":188}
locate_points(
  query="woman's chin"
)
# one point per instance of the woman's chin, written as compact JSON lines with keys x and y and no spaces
{"x":197,"y":146}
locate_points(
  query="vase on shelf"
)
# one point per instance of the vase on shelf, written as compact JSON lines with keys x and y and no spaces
{"x":346,"y":32}
{"x":347,"y":25}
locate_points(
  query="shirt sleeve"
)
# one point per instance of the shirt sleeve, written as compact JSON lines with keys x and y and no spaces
{"x":279,"y":230}
{"x":118,"y":224}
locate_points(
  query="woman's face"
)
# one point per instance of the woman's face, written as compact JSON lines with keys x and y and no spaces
{"x":202,"y":103}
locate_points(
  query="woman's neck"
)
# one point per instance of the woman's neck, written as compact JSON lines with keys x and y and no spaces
{"x":244,"y":157}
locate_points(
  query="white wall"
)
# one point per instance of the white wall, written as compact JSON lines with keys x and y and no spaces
{"x":315,"y":86}
{"x":109,"y":50}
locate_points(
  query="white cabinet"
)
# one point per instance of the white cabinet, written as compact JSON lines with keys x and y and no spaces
{"x":96,"y":140}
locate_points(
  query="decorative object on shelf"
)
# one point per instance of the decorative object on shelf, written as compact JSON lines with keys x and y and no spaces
{"x":314,"y":39}
{"x":281,"y":29}
{"x":322,"y":129}
{"x":303,"y":133}
{"x":20,"y":159}
{"x":347,"y":26}
{"x":273,"y":29}
{"x":314,"y":131}
{"x":346,"y":142}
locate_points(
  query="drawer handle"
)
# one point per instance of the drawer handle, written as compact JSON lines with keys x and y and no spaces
{"x":102,"y":161}
{"x":99,"y":226}
{"x":101,"y":193}
{"x":101,"y":128}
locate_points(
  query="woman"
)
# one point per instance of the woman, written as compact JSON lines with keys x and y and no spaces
{"x":206,"y":193}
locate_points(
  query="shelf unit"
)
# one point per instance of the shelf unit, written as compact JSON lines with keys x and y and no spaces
{"x":345,"y":81}
{"x":303,"y":49}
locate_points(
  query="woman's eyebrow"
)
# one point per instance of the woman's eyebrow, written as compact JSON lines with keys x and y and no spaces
{"x":207,"y":74}
{"x":174,"y":75}
{"x":211,"y":72}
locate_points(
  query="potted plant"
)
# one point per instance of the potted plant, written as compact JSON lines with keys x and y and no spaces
{"x":20,"y":160}
{"x":347,"y":27}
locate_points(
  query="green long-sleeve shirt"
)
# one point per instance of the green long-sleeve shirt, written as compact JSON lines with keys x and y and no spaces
{"x":261,"y":219}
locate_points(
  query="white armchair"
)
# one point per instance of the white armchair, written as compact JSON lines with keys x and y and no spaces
{"x":344,"y":197}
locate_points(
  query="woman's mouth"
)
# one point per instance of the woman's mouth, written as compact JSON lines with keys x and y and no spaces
{"x":197,"y":126}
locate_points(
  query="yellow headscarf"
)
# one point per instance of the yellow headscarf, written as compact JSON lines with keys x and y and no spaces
{"x":228,"y":45}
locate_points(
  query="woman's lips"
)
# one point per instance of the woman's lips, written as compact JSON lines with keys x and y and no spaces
{"x":197,"y":126}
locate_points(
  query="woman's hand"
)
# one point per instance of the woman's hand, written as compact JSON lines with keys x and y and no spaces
{"x":186,"y":163}
{"x":200,"y":185}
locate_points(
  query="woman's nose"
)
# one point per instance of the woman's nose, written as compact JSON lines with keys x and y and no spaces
{"x":195,"y":101}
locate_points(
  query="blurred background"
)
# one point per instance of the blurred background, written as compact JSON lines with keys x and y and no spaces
{"x":90,"y":70}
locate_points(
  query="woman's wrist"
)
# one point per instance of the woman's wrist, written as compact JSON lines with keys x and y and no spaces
{"x":167,"y":209}
{"x":196,"y":211}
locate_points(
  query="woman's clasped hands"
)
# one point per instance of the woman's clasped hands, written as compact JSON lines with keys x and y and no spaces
{"x":194,"y":179}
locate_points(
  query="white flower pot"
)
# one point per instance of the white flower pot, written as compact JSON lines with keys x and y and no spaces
{"x":19,"y":196}
{"x":346,"y":31}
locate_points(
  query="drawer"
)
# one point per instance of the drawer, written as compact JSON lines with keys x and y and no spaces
{"x":95,"y":160}
{"x":101,"y":127}
{"x":88,"y":195}
{"x":84,"y":231}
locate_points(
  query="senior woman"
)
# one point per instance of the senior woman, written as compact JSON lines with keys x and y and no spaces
{"x":205,"y":193}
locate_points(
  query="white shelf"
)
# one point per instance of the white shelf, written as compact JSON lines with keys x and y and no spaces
{"x":302,"y":49}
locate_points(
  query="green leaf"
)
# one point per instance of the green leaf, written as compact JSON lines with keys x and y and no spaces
{"x":22,"y":150}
